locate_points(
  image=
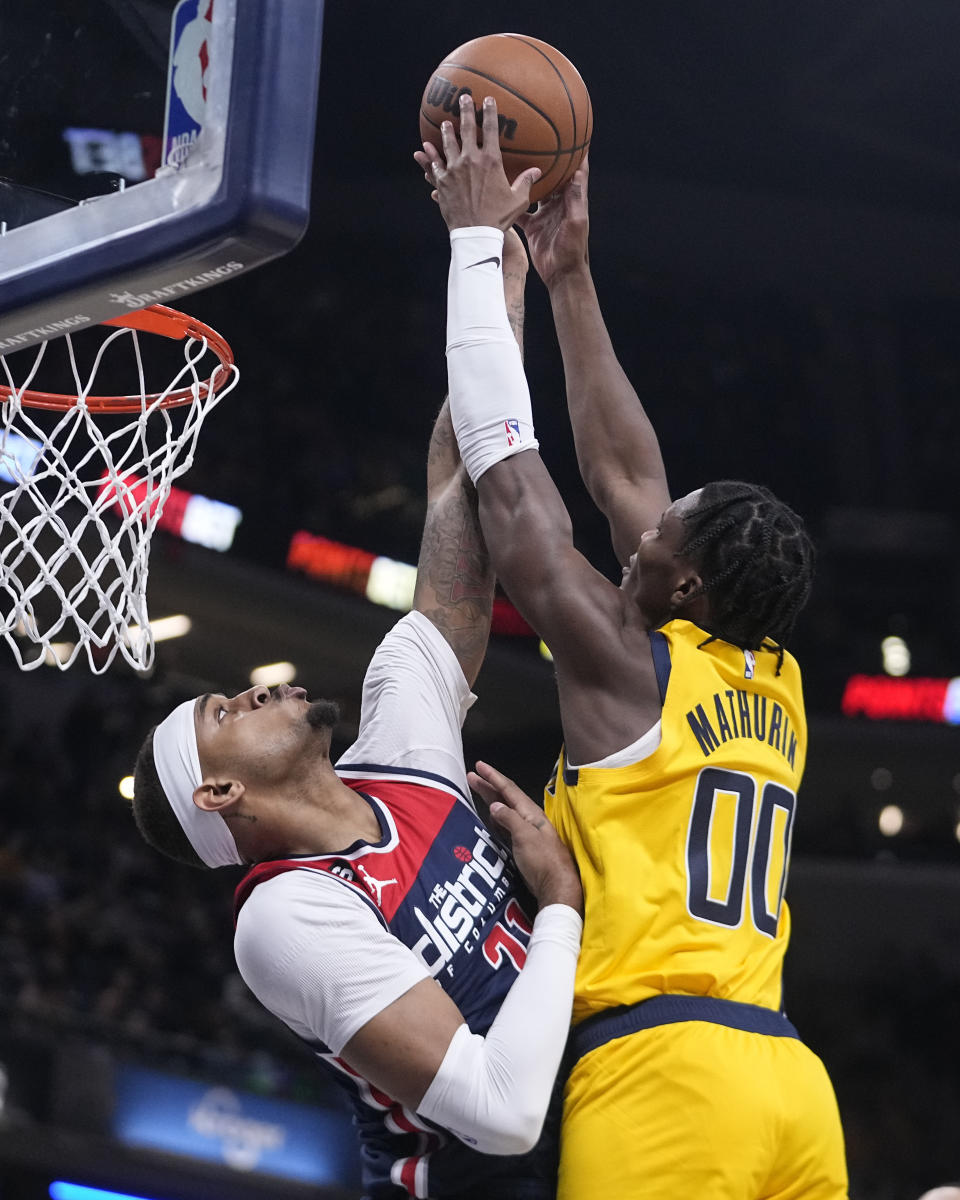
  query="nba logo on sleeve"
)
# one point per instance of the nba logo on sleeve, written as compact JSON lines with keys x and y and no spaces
{"x":186,"y":79}
{"x":512,"y":428}
{"x":749,"y":663}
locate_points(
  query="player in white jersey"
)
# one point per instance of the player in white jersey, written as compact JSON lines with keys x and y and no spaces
{"x":373,"y":878}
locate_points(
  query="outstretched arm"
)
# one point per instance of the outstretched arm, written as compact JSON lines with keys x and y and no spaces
{"x":617,"y":448}
{"x":455,"y":579}
{"x":579,"y":613}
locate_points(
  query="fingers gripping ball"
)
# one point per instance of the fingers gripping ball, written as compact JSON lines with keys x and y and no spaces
{"x":544,"y":109}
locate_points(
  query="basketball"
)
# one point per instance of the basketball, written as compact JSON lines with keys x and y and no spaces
{"x":544,"y":109}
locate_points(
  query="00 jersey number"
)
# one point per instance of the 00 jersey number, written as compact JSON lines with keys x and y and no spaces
{"x":750,"y":855}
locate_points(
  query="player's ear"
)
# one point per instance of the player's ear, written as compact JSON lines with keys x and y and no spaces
{"x":219,"y":796}
{"x":688,"y":587}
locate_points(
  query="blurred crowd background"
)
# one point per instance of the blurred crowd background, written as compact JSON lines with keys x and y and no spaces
{"x":102,"y":941}
{"x":775,"y":237}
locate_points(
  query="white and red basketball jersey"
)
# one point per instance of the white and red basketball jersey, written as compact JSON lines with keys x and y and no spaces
{"x":435,"y":895}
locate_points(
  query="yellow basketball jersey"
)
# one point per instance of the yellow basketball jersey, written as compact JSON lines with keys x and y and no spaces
{"x":684,"y":855}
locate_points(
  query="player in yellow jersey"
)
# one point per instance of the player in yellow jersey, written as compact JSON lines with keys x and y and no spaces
{"x":684,"y":737}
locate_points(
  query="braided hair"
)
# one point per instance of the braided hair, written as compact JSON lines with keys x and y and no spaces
{"x":756,"y":560}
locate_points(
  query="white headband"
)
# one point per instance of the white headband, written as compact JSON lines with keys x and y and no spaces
{"x":178,"y":767}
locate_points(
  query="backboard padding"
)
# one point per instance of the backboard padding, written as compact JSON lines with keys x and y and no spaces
{"x":240,"y":199}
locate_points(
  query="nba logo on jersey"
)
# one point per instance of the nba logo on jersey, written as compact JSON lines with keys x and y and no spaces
{"x":749,"y":662}
{"x":512,"y":428}
{"x":186,"y":79}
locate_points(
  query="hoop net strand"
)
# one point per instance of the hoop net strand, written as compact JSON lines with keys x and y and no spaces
{"x":81,"y":494}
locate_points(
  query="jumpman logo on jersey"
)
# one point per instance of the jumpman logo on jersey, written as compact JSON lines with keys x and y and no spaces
{"x":375,"y":885}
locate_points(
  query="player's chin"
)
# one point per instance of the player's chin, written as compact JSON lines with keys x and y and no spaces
{"x":323,"y":714}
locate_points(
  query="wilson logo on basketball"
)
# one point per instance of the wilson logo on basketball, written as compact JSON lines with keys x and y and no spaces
{"x":543,"y":107}
{"x":462,"y":853}
{"x":443,"y":94}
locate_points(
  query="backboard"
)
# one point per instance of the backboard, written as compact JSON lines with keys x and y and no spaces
{"x":149,"y":148}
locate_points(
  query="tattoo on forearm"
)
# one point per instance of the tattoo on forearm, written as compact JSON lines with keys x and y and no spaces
{"x":443,"y":455}
{"x":515,"y":315}
{"x":455,"y":578}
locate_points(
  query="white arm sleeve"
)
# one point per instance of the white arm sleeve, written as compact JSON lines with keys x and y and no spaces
{"x":318,"y":958}
{"x":493,"y":1091}
{"x":489,"y":397}
{"x":415,"y":699}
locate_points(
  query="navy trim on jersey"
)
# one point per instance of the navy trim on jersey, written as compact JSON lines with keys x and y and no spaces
{"x":371,"y":769}
{"x":442,"y":846}
{"x":388,"y":832}
{"x":603,"y":1027}
{"x":386,"y":835}
{"x":660,"y":648}
{"x":571,"y":775}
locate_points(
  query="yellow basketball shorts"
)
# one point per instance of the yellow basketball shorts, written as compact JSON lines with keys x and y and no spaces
{"x":698,"y":1109}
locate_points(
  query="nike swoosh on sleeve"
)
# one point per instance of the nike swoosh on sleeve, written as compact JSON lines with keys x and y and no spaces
{"x":493,"y":258}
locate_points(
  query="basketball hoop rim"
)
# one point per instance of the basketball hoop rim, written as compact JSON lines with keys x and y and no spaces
{"x":165,"y":322}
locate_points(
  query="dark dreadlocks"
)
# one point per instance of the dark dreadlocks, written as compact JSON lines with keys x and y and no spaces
{"x":755,"y":559}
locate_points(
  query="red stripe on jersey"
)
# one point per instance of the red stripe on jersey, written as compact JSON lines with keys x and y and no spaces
{"x":417,"y":811}
{"x":403,"y":1121}
{"x":392,"y":1109}
{"x":382,"y":1097}
{"x":408,"y":1174}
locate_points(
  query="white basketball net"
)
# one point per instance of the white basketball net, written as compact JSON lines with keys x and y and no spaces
{"x":80,"y":497}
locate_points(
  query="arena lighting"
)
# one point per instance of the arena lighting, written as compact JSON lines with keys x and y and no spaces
{"x":194,"y":518}
{"x":890,"y":820}
{"x":273,"y":673}
{"x":58,"y":652}
{"x":60,"y":1190}
{"x":381,"y":580}
{"x":125,"y":787}
{"x":165,"y":628}
{"x":882,"y":698}
{"x":106,"y":150}
{"x":391,"y":584}
{"x":896,"y":656}
{"x":18,"y":454}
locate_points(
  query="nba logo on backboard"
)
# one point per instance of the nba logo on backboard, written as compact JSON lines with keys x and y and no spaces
{"x":749,"y":663}
{"x":186,"y":79}
{"x":512,"y":427}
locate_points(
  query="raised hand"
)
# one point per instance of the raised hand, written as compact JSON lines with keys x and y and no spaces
{"x":471,"y":185}
{"x":515,"y":259}
{"x":557,"y":233}
{"x":544,"y":861}
{"x":425,"y":159}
